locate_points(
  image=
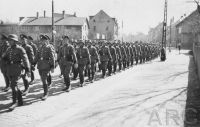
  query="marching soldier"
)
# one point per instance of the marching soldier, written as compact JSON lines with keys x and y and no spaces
{"x":94,"y":59}
{"x":105,"y":56}
{"x":119,"y":56}
{"x":17,"y":62}
{"x":124,"y":56}
{"x":112,"y":66}
{"x":45,"y":63}
{"x":128,"y":54}
{"x":131,"y":54}
{"x":35,"y":51}
{"x":3,"y":64}
{"x":30,"y":54}
{"x":83,"y":57}
{"x":67,"y":57}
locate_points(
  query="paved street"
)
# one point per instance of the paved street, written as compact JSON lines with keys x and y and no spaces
{"x":148,"y":95}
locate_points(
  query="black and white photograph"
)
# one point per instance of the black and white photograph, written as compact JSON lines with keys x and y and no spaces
{"x":99,"y":63}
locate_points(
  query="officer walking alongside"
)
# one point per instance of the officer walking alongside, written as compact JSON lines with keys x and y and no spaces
{"x":17,"y":62}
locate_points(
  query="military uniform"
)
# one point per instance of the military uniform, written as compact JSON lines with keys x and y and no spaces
{"x":94,"y":59}
{"x":35,"y":51}
{"x":124,"y":56}
{"x":30,"y":54}
{"x":45,"y":62}
{"x":112,"y":65}
{"x":105,"y":56}
{"x":119,"y":56}
{"x":67,"y":57}
{"x":3,"y":64}
{"x":17,"y":61}
{"x":83,"y":57}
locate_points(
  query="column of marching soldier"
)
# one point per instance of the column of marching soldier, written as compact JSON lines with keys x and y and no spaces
{"x":83,"y":58}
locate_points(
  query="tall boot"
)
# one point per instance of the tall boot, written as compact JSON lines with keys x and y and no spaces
{"x":45,"y":86}
{"x":32,"y":76}
{"x":14,"y":99}
{"x":49,"y":80}
{"x":92,"y":78}
{"x":19,"y":97}
{"x":26,"y":85}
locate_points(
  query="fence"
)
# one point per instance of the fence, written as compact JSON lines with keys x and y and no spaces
{"x":196,"y":52}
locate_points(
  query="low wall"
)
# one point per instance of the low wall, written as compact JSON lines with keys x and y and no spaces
{"x":196,"y":52}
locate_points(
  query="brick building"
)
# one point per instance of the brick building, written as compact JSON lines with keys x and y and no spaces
{"x":102,"y":26}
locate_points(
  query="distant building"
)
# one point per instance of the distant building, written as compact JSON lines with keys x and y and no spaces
{"x":188,"y":30}
{"x":8,"y":28}
{"x":65,"y":24}
{"x":102,"y":26}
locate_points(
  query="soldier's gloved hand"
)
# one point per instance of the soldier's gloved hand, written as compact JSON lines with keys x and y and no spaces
{"x":89,"y":66}
{"x":75,"y":65}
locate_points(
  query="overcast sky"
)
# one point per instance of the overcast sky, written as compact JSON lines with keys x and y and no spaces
{"x":137,"y":15}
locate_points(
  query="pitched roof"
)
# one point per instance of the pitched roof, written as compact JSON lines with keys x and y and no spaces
{"x":74,"y":21}
{"x":46,"y":21}
{"x":189,"y":16}
{"x":60,"y":15}
{"x":103,"y":12}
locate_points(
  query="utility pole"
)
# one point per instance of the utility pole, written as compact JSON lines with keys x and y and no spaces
{"x":164,"y":34}
{"x":170,"y":40}
{"x":53,"y":31}
{"x":122,"y":30}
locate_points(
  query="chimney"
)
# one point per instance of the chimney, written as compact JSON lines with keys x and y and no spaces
{"x":37,"y":15}
{"x":63,"y":14}
{"x":44,"y":14}
{"x":21,"y":18}
{"x":74,"y":14}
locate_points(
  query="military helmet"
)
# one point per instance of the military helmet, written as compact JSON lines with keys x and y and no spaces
{"x":13,"y":37}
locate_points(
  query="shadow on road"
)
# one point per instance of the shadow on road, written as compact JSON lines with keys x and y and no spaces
{"x":36,"y":91}
{"x":192,"y":110}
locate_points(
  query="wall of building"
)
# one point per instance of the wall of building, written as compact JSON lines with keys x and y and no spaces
{"x":102,"y":25}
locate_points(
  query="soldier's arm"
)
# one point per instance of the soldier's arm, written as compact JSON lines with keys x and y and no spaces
{"x":96,"y":54}
{"x":109,"y":54}
{"x":88,"y":55}
{"x":36,"y":49}
{"x":59,"y":54}
{"x":25,"y":60}
{"x":51,"y":57}
{"x":31,"y":55}
{"x":74,"y":55}
{"x":115,"y":54}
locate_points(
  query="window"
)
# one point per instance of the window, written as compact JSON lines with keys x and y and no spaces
{"x":94,"y":28}
{"x":94,"y":20}
{"x":108,"y":21}
{"x":107,"y":28}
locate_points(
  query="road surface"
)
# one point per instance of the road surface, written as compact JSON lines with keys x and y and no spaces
{"x":148,"y":95}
